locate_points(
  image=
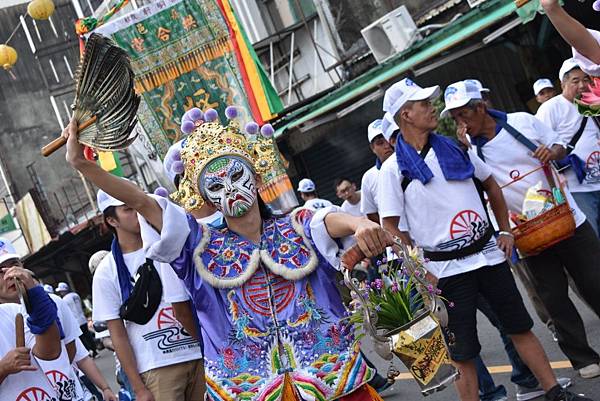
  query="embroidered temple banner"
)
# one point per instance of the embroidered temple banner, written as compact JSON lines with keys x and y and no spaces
{"x":184,"y":55}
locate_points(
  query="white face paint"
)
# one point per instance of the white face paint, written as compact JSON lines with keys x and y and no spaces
{"x":228,"y":183}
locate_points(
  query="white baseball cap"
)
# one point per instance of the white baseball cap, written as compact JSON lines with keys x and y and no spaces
{"x":7,"y":250}
{"x":48,"y":288}
{"x":388,"y":126}
{"x":404,"y":91}
{"x":540,"y":84}
{"x":478,"y":84}
{"x":105,"y":201}
{"x":459,"y":94}
{"x":62,"y":286}
{"x":374,"y":130}
{"x":567,"y":65}
{"x":95,"y":260}
{"x":306,"y":185}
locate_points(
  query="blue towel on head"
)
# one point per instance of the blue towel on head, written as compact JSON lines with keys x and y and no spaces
{"x":454,"y":162}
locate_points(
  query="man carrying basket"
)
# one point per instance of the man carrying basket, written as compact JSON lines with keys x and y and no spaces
{"x":515,"y":146}
{"x":436,"y":187}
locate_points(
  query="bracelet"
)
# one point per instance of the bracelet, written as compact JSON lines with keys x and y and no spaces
{"x":506,"y":233}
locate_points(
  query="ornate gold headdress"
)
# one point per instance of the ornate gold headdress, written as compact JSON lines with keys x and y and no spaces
{"x":208,"y":139}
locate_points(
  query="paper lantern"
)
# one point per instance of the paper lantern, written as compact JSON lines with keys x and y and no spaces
{"x":40,"y":9}
{"x":8,"y":56}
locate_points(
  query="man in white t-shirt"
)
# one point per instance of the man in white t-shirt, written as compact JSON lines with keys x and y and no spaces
{"x":439,"y":190}
{"x":73,"y":301}
{"x":494,"y":134}
{"x":368,"y":185}
{"x":41,"y":370}
{"x":308,"y":193}
{"x":581,"y":135}
{"x":160,"y":359}
{"x":345,"y":189}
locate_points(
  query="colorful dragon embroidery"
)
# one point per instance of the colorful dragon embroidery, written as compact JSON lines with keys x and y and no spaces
{"x":312,"y":313}
{"x":241,"y":321}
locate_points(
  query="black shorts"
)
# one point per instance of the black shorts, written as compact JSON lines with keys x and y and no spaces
{"x":497,"y":285}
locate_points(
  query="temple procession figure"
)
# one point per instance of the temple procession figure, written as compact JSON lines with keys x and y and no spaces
{"x":263,"y":287}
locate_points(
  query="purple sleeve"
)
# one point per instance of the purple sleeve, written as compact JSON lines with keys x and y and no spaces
{"x":184,"y":264}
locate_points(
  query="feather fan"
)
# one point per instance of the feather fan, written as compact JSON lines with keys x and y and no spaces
{"x":105,"y":104}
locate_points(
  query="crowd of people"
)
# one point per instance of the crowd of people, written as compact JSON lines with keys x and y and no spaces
{"x":207,"y":294}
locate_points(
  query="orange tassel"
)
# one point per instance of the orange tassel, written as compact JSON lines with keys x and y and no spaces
{"x":288,"y":393}
{"x":373,"y":393}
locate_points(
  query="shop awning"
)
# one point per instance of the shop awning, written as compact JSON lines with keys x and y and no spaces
{"x":463,"y":28}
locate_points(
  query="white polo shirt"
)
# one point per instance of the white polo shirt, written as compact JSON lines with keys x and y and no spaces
{"x":158,"y":343}
{"x":562,"y":116}
{"x":508,"y":159}
{"x":442,"y":215}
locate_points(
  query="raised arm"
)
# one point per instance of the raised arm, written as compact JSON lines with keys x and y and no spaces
{"x":42,"y":316}
{"x":125,"y":191}
{"x":572,"y":31}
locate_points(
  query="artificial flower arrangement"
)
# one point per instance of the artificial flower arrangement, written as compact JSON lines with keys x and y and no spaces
{"x":404,"y":315}
{"x":397,"y":297}
{"x":589,"y":103}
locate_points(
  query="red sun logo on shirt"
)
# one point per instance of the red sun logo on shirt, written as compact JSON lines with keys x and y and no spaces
{"x":34,"y":394}
{"x":166,"y":318}
{"x":592,"y":164}
{"x":465,"y":223}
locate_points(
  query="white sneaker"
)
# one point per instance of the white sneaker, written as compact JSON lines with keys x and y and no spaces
{"x":525,"y":394}
{"x":590,"y":371}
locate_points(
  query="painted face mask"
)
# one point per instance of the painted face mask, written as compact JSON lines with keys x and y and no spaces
{"x":228,"y":182}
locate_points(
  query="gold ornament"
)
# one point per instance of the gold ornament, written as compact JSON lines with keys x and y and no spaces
{"x":211,"y":140}
{"x":8,"y":56}
{"x":40,"y":9}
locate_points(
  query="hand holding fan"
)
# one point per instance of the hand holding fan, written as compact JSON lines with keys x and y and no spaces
{"x":105,"y":100}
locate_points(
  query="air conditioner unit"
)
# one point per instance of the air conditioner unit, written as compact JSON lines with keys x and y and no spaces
{"x":391,"y":34}
{"x":475,"y":3}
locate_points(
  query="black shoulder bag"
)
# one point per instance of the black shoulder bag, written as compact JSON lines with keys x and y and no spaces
{"x":145,"y":296}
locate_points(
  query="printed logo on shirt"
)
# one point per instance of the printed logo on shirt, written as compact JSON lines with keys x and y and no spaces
{"x":465,"y":228}
{"x":171,"y":335}
{"x":35,"y":394}
{"x":63,"y":385}
{"x":592,"y":167}
{"x":318,"y":205}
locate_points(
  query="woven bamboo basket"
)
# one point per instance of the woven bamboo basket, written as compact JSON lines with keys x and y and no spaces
{"x":549,"y":227}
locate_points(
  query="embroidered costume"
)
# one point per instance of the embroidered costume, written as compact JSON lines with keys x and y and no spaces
{"x":271,"y":316}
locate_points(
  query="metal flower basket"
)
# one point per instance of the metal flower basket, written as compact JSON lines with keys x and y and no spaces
{"x":420,"y":343}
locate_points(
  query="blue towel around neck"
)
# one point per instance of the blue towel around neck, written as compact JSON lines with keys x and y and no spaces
{"x":125,"y":280}
{"x":454,"y":162}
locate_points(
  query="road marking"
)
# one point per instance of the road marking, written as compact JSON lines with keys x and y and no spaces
{"x":501,"y":369}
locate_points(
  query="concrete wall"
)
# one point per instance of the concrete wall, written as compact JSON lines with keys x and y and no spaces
{"x":27,"y":119}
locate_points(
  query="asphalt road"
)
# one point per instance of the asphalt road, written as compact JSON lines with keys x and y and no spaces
{"x":492,"y":353}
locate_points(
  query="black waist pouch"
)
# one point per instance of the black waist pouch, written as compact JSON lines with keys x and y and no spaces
{"x":145,"y":297}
